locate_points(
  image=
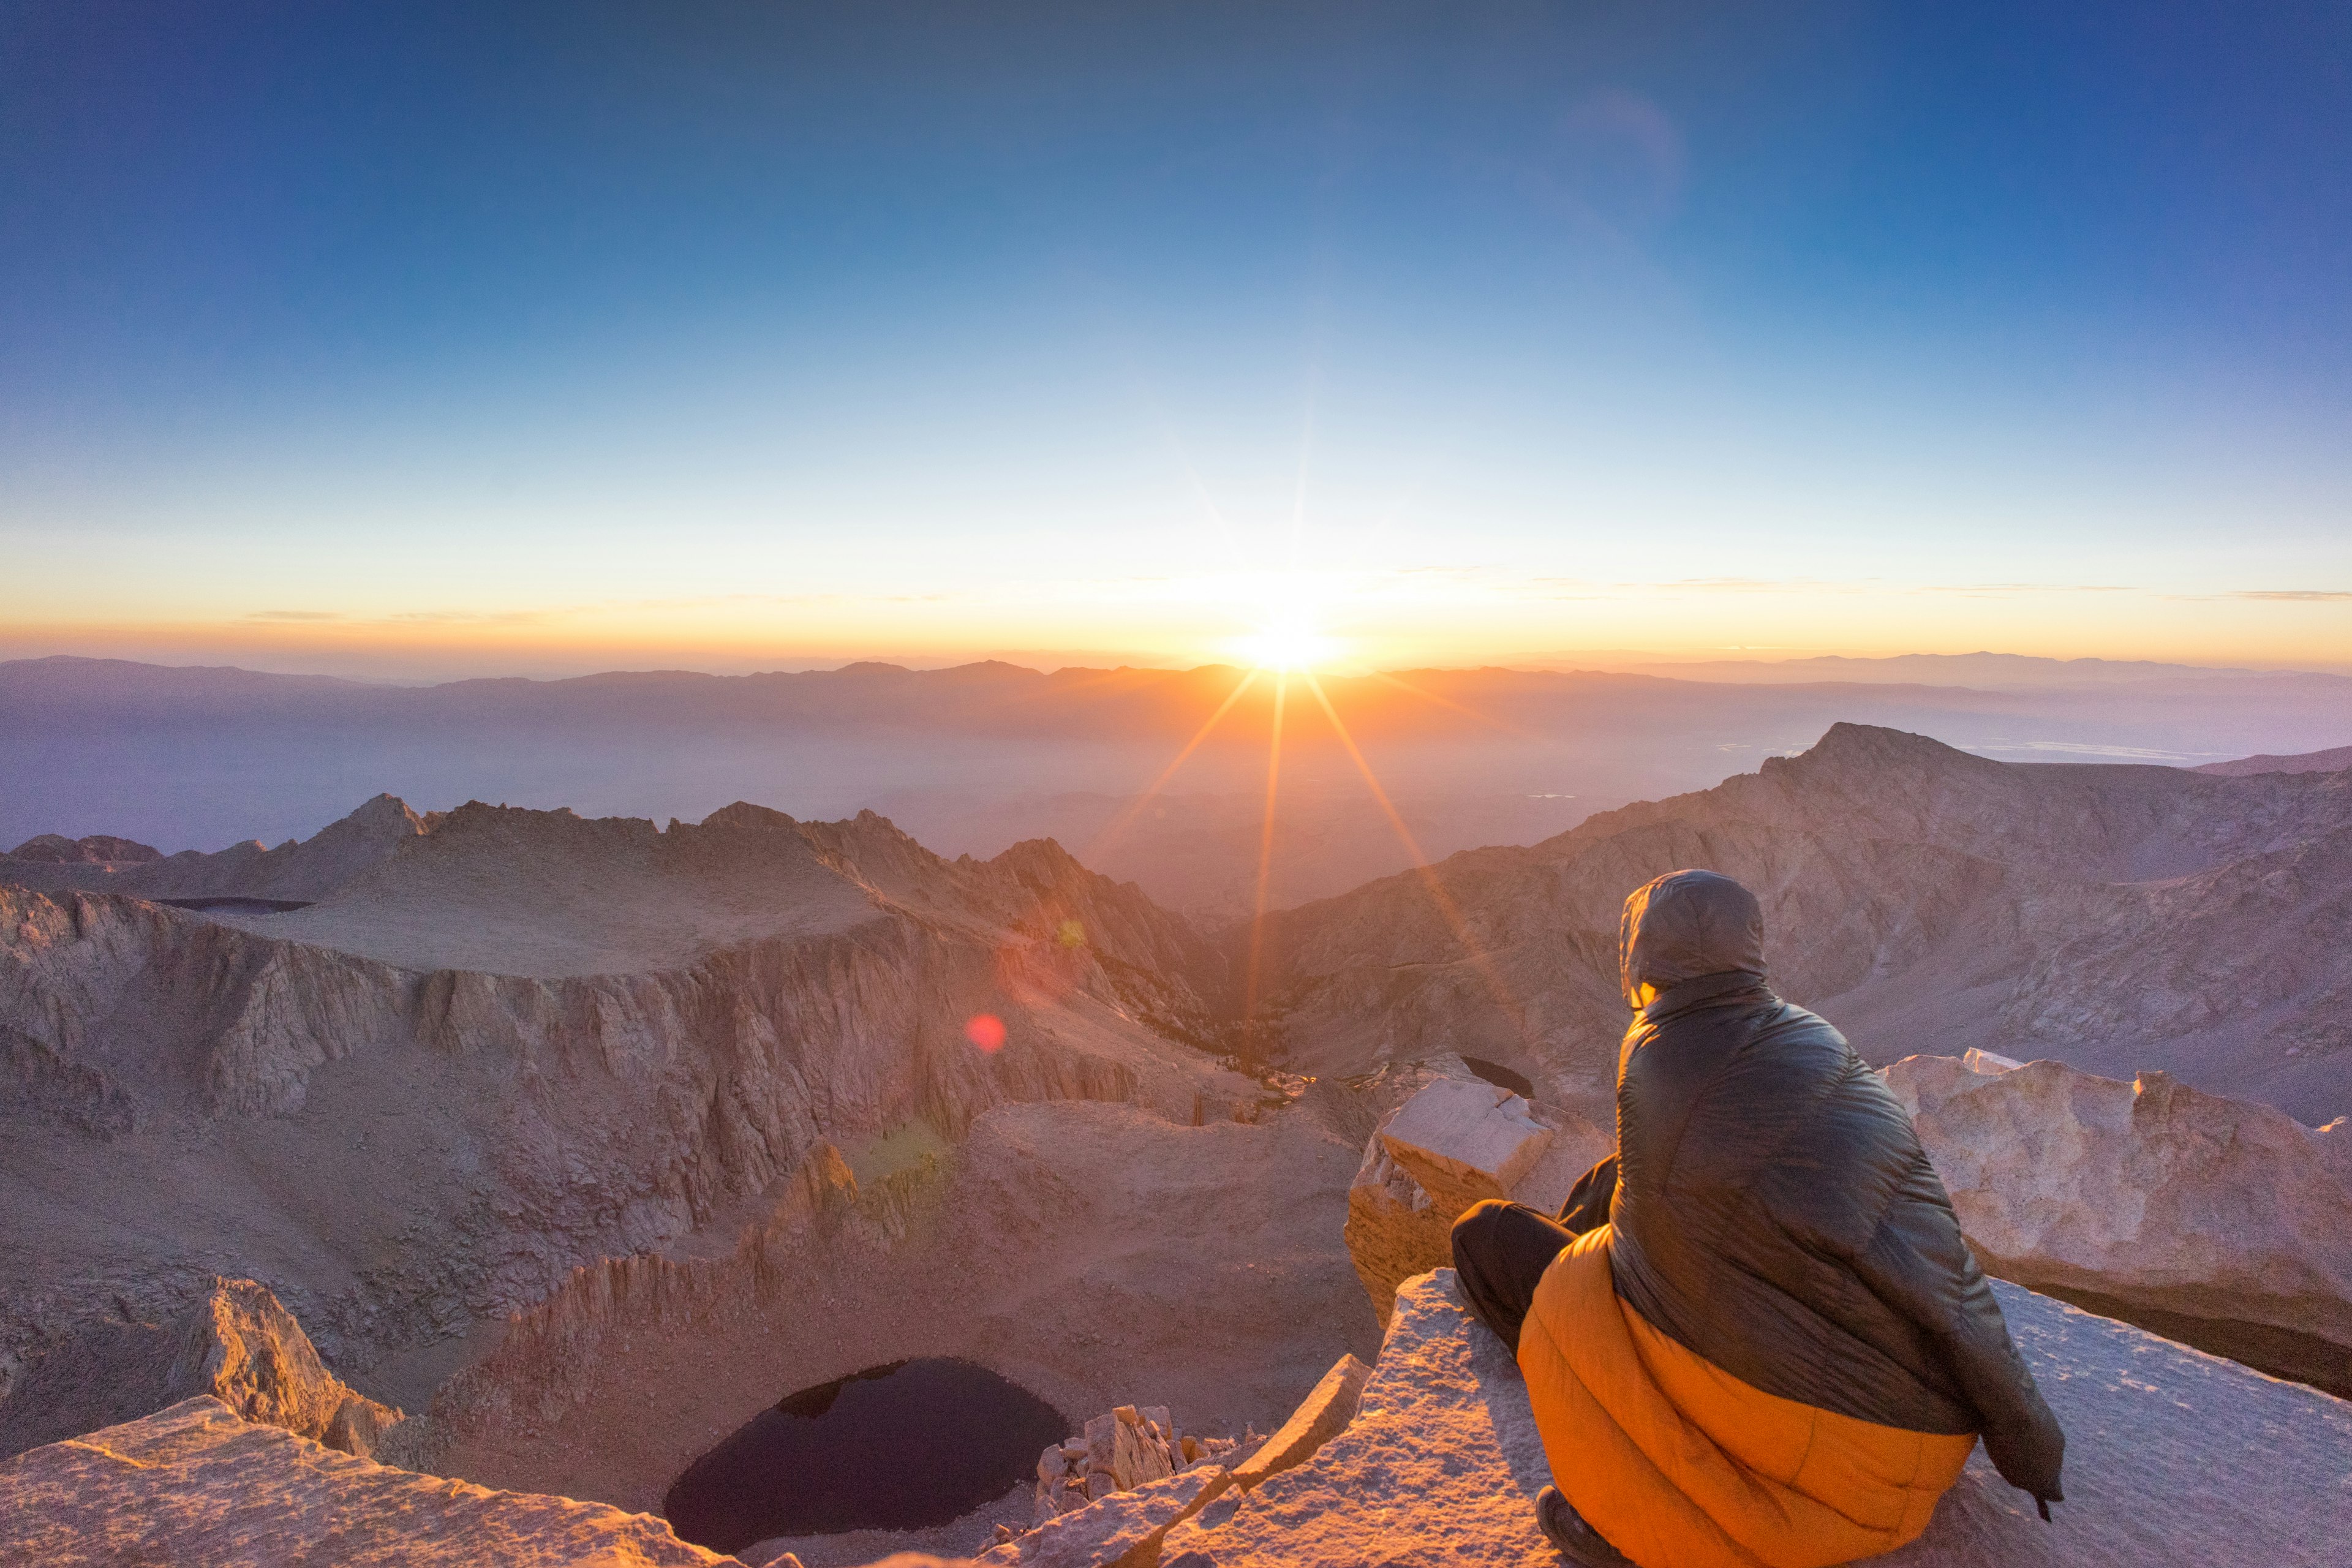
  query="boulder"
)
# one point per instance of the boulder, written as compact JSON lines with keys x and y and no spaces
{"x":1127,"y":1527}
{"x":2214,"y":1220}
{"x":1465,"y":1137}
{"x":197,"y":1487}
{"x":1117,"y":1452}
{"x":1452,"y":1142}
{"x":2173,"y":1457}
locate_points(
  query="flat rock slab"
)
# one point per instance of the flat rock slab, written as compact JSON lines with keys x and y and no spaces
{"x":1121,"y":1531}
{"x":194,"y":1486}
{"x":1441,"y":1465}
{"x":2173,"y":1457}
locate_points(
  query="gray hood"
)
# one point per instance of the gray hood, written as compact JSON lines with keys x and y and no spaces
{"x":1686,"y":924}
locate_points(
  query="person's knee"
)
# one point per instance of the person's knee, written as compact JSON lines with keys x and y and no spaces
{"x":1476,"y":1232}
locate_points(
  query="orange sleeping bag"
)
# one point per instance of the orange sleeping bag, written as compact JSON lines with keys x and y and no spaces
{"x":1680,"y":1465}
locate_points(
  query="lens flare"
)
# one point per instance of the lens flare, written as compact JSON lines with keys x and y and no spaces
{"x":985,"y":1030}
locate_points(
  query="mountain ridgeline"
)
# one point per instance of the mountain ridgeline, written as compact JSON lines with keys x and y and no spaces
{"x":975,"y":759}
{"x":500,"y":1043}
{"x":1926,"y":900}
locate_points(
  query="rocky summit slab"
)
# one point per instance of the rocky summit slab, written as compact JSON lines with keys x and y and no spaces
{"x":195,"y":1485}
{"x":2174,"y":1457}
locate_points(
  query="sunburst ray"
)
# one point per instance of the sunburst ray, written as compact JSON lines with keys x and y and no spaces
{"x":1451,"y":912}
{"x":1264,"y":860}
{"x":1126,"y":819}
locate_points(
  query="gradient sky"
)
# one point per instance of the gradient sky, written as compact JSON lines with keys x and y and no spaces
{"x":417,"y":340}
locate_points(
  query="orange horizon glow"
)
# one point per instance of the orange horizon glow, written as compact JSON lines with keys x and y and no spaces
{"x":1383,"y":623}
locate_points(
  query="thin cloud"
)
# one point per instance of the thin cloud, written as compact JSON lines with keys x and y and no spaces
{"x":2004,"y":589}
{"x":1869,"y":585}
{"x":295,"y":616}
{"x":2095,"y":749}
{"x":467,"y":617}
{"x":2293,"y":596}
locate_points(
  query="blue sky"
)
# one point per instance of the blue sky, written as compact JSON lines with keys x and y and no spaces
{"x":486,"y":338}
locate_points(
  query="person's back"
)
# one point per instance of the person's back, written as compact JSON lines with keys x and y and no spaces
{"x":1770,"y":1343}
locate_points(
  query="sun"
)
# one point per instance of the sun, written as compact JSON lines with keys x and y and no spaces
{"x":1288,"y":644}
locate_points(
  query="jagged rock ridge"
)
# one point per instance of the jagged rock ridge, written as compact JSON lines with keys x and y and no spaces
{"x":402,"y":1149}
{"x":95,"y":849}
{"x":235,"y":1344}
{"x":294,"y":871}
{"x":1926,"y":900}
{"x":2333,"y":760}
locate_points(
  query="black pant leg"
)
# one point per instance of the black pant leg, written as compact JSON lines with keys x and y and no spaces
{"x":1500,"y":1252}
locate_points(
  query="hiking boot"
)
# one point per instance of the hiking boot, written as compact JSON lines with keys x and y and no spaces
{"x":1578,"y":1541}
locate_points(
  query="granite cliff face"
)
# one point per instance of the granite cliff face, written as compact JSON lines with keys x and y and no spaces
{"x":1926,"y":900}
{"x":2214,"y":1221}
{"x":524,"y":1041}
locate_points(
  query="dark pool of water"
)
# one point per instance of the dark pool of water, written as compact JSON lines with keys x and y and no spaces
{"x":237,"y":905}
{"x":1501,"y":1077}
{"x":902,"y":1447}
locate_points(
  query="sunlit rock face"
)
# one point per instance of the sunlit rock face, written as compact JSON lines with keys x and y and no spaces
{"x":2214,"y":1220}
{"x":1453,"y":1141}
{"x":235,"y":1344}
{"x":194,"y":1486}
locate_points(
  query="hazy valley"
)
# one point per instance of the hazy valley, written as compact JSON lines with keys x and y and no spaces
{"x":974,"y":759}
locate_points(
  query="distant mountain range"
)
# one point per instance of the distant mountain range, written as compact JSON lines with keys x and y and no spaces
{"x":1988,"y":671}
{"x":976,"y":758}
